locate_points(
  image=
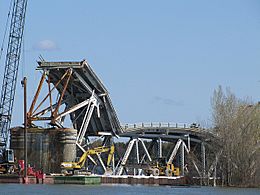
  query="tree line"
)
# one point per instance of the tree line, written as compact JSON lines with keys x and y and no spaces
{"x":236,"y":123}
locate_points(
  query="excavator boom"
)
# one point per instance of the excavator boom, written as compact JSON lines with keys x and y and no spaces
{"x":95,"y":151}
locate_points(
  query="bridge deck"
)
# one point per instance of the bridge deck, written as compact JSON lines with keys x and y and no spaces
{"x":166,"y":131}
{"x":80,"y":88}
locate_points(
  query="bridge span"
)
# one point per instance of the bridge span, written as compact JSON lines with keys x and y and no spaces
{"x":83,"y":97}
{"x":188,"y":147}
{"x":166,"y":131}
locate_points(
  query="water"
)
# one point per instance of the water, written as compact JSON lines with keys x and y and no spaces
{"x":20,"y":189}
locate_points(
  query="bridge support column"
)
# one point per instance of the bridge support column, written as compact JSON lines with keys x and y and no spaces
{"x":120,"y":168}
{"x":137,"y":151}
{"x":182,"y":159}
{"x":203,"y":161}
{"x":137,"y":155}
{"x":159,"y":147}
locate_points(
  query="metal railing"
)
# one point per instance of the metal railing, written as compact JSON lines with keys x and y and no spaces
{"x":169,"y":126}
{"x":159,"y":125}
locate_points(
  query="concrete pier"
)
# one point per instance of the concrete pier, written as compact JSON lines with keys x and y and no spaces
{"x":47,"y":148}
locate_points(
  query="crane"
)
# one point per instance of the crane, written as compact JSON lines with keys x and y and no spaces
{"x":10,"y":77}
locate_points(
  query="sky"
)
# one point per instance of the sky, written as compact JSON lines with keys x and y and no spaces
{"x":160,"y":60}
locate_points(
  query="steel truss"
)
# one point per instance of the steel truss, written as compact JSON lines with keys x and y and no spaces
{"x":46,"y":109}
{"x":181,"y":148}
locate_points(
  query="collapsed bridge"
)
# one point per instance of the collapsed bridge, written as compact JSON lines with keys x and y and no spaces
{"x":81,"y":91}
{"x":82,"y":96}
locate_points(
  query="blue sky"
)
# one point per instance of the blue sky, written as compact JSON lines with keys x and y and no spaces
{"x":160,"y":60}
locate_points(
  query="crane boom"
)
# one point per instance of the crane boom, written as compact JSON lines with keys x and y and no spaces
{"x":11,"y":69}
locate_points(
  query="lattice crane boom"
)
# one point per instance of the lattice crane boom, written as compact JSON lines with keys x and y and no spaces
{"x":11,"y":69}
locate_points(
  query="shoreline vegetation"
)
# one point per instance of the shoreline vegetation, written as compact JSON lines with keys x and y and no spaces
{"x":237,"y":124}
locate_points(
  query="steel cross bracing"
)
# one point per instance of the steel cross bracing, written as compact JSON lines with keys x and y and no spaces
{"x":85,"y":98}
{"x":130,"y":146}
{"x":181,"y":152}
{"x":179,"y":143}
{"x":92,"y":104}
{"x":11,"y":69}
{"x":92,"y":114}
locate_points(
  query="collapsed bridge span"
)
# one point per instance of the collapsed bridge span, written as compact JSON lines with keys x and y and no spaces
{"x":85,"y":98}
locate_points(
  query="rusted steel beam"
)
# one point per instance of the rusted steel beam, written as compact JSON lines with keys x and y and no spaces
{"x":36,"y":94}
{"x":49,"y":93}
{"x":49,"y":88}
{"x":44,"y":111}
{"x":40,"y":118}
{"x":55,"y":112}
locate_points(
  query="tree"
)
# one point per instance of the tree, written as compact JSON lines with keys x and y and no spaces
{"x":237,"y":125}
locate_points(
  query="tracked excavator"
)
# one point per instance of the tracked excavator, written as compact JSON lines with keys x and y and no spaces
{"x":74,"y":168}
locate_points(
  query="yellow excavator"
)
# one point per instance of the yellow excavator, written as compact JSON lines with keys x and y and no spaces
{"x":75,"y":167}
{"x":162,"y":168}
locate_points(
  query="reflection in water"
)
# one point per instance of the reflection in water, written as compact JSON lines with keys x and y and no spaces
{"x":121,"y":189}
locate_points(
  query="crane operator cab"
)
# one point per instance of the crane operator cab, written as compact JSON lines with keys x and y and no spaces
{"x":7,"y":161}
{"x":9,"y":155}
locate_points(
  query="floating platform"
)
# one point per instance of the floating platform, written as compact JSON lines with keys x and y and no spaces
{"x":97,"y":180}
{"x":85,"y":180}
{"x":145,"y":180}
{"x":5,"y":178}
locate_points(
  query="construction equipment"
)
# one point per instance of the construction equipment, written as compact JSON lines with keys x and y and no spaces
{"x":7,"y":163}
{"x":162,"y":168}
{"x":75,"y":167}
{"x":10,"y":78}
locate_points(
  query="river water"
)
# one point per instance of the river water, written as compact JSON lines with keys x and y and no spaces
{"x":19,"y":189}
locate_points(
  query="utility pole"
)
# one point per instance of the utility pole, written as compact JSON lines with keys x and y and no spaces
{"x":24,"y":84}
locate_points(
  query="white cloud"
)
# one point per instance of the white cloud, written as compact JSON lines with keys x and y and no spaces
{"x":46,"y":45}
{"x":168,"y":101}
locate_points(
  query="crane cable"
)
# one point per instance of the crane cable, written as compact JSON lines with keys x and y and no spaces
{"x":23,"y":56}
{"x":6,"y":27}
